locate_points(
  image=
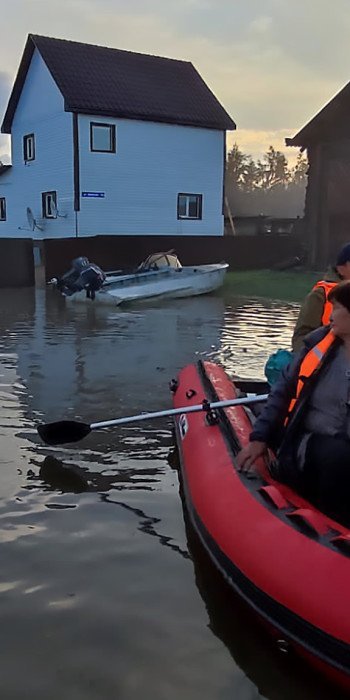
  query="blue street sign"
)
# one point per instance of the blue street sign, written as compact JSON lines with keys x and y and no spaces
{"x":93,"y":194}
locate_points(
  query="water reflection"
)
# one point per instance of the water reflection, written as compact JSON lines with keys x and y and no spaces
{"x":54,"y":475}
{"x":106,"y":547}
{"x":77,"y":360}
{"x":253,"y":329}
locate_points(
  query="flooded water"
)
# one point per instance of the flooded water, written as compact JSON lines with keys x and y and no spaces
{"x":104,"y":591}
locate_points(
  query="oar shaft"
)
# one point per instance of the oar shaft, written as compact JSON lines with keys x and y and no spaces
{"x":184,"y":409}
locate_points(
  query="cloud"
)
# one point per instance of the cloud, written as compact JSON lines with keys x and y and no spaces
{"x":261,"y":25}
{"x":314,"y":34}
{"x":261,"y":65}
{"x":273,"y":65}
{"x":5,"y":86}
{"x":255,"y":143}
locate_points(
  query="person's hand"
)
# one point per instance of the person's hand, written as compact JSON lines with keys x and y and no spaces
{"x":250,"y":454}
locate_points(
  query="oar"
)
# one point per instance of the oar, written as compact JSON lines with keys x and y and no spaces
{"x":73,"y":431}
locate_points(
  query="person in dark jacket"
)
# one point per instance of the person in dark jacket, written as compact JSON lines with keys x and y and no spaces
{"x":306,"y":419}
{"x":315,"y":310}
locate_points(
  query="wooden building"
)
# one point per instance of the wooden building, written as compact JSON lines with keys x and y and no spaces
{"x":327,"y":203}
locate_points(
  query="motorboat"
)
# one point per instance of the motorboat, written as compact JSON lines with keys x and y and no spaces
{"x":161,"y":275}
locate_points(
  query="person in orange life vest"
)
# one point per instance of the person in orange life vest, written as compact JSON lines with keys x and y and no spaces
{"x":316,"y":309}
{"x":306,"y":419}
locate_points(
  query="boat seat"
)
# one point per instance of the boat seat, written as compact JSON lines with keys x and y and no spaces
{"x":309,"y":521}
{"x":274,"y":496}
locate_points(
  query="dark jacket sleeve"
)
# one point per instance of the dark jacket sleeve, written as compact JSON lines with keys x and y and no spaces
{"x":269,"y":426}
{"x":309,"y":318}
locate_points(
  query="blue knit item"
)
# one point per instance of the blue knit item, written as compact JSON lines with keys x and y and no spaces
{"x":276,"y":362}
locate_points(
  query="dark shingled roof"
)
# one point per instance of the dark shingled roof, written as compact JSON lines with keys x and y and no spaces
{"x":115,"y":83}
{"x":4,"y":168}
{"x":332,"y":122}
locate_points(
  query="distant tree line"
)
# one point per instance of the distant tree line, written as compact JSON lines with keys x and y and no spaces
{"x":269,"y":173}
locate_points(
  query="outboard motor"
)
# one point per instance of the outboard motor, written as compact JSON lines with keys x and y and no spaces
{"x":92,"y":279}
{"x":67,"y":284}
{"x":79,"y":264}
{"x":82,"y":275}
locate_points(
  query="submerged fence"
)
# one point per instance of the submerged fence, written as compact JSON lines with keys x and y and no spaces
{"x":22,"y":259}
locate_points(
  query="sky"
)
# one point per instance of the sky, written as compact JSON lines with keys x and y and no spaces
{"x":272,"y":63}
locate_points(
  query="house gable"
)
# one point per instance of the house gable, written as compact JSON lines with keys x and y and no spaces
{"x":40,"y":97}
{"x":40,"y":114}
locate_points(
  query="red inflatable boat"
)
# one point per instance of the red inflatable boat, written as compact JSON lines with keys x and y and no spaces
{"x":286,"y":559}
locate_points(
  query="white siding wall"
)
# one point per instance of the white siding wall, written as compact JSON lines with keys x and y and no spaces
{"x":153,"y":163}
{"x":40,"y":111}
{"x":141,"y":181}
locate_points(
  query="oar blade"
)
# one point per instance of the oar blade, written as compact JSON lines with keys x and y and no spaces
{"x":63,"y":431}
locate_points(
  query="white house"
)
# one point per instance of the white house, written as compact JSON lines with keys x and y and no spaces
{"x":111,"y":142}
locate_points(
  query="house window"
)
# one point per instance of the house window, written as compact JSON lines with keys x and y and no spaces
{"x":29,"y":147}
{"x":189,"y":206}
{"x":49,"y":205}
{"x":2,"y":209}
{"x":102,"y":137}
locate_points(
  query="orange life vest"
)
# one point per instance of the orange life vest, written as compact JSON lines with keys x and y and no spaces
{"x":327,"y":309}
{"x":308,"y":366}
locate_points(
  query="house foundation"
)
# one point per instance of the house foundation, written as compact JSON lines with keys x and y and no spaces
{"x":115,"y":252}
